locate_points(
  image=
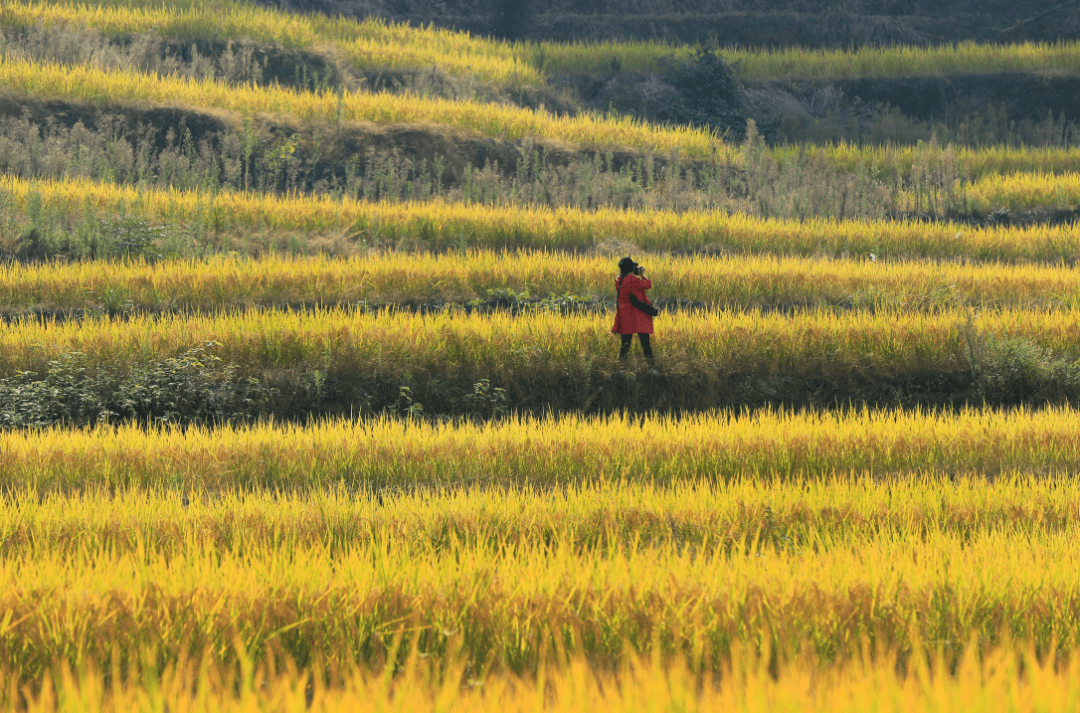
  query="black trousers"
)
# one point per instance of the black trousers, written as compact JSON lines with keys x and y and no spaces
{"x":627,"y":339}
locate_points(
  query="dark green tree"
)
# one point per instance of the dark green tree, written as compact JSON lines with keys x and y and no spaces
{"x":511,"y":19}
{"x":709,"y":95}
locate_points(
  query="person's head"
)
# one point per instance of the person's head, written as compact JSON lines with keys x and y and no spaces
{"x":627,"y":265}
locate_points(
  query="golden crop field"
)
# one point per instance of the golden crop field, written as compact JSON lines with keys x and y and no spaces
{"x":370,"y":43}
{"x":961,"y":58}
{"x":288,"y":449}
{"x":803,"y":63}
{"x":984,"y":161}
{"x":733,"y":282}
{"x":87,"y":83}
{"x":97,"y":86}
{"x":544,"y":452}
{"x":1025,"y":190}
{"x":453,"y":343}
{"x":835,"y":542}
{"x":374,"y":43}
{"x":753,"y":683}
{"x":438,"y":225}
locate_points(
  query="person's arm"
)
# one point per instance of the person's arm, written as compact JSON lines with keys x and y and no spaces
{"x":643,"y":306}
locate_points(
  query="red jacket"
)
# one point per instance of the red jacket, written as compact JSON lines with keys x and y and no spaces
{"x":628,"y":318}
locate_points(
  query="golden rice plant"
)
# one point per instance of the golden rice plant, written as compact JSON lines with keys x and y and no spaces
{"x":1016,"y":191}
{"x":902,"y":560}
{"x":787,"y":512}
{"x":85,"y":83}
{"x":805,"y":63}
{"x":372,"y":42}
{"x":440,"y":225}
{"x":1024,"y":191}
{"x":544,"y":451}
{"x":906,"y":60}
{"x":213,"y":582}
{"x":971,"y":162}
{"x":367,"y":44}
{"x":454,"y":344}
{"x":990,"y":682}
{"x":709,"y":346}
{"x":734,"y":282}
{"x":1009,"y":677}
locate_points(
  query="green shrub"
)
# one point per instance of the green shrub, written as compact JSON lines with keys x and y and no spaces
{"x":1012,"y":371}
{"x":190,"y":388}
{"x":709,"y":95}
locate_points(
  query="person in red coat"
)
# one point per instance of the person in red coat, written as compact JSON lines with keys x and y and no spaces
{"x":633,"y":311}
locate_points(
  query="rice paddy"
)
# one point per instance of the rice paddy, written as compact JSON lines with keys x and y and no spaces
{"x":304,"y":451}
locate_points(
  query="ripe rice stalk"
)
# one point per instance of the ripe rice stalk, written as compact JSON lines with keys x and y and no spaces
{"x":207,"y":582}
{"x":439,"y":225}
{"x":773,"y":64}
{"x":542,"y":451}
{"x":512,"y":349}
{"x":988,"y":679}
{"x":520,"y":277}
{"x":97,"y":86}
{"x":371,"y":43}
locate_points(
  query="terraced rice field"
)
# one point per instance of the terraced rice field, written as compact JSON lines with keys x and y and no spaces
{"x":294,"y":450}
{"x":437,"y":225}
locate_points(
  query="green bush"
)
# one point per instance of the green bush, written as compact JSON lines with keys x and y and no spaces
{"x":709,"y":95}
{"x":190,"y":388}
{"x":1012,"y":371}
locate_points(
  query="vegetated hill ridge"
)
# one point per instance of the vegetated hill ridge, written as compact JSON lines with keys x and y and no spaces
{"x":813,"y":23}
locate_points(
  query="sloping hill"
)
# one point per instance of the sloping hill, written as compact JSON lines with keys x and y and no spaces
{"x":812,"y":23}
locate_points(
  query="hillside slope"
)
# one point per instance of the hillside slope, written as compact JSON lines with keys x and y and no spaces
{"x":814,"y":23}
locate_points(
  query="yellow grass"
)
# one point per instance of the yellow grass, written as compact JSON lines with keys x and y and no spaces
{"x":989,"y":683}
{"x":546,"y":451}
{"x":699,"y":576}
{"x":373,"y":43}
{"x":972,"y":162}
{"x":226,"y":282}
{"x":367,"y":44}
{"x":996,"y":191}
{"x":354,"y":343}
{"x":86,"y":83}
{"x":628,"y":561}
{"x":961,"y":58}
{"x":439,"y":225}
{"x":1025,"y":191}
{"x":803,"y":63}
